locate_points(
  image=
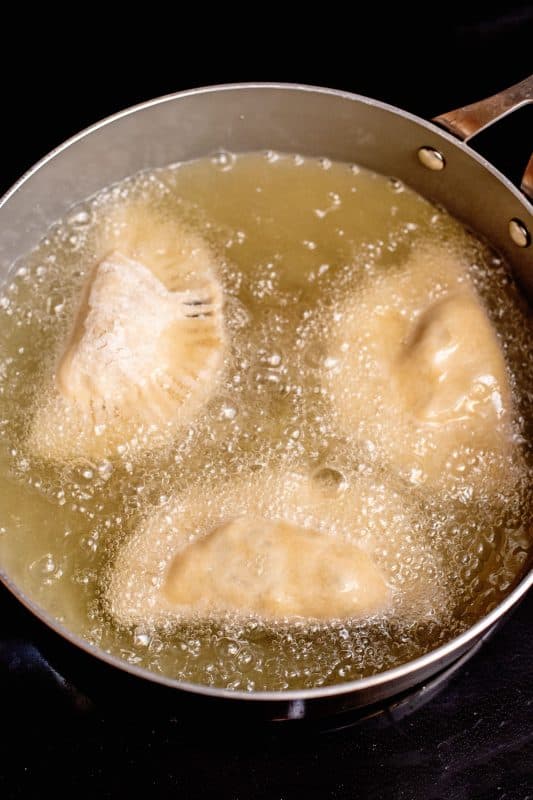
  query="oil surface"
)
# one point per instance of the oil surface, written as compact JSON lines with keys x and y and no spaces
{"x":293,"y":237}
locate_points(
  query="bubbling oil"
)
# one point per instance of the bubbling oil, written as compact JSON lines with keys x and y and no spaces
{"x":292,"y":236}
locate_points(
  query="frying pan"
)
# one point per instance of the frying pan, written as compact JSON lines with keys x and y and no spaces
{"x":434,"y":158}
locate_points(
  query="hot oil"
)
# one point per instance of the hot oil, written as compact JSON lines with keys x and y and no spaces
{"x":292,"y":237}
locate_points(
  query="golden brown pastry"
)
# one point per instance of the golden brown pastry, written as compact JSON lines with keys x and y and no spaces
{"x":146,"y":346}
{"x":273,"y":569}
{"x":275,"y":547}
{"x":418,"y":370}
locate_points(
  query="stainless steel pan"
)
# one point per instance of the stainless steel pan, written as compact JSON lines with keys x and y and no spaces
{"x":316,"y":122}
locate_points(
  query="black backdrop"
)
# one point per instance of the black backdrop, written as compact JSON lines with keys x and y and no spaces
{"x":59,"y":75}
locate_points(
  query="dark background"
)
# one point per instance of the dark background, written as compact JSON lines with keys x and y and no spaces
{"x":60,"y":75}
{"x":474,"y":740}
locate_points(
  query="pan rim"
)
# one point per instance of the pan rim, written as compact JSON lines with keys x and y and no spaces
{"x":458,"y":643}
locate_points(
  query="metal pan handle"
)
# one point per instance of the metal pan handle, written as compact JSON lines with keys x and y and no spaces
{"x":472,"y":119}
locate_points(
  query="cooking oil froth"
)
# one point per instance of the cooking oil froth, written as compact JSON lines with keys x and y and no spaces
{"x":294,"y":237}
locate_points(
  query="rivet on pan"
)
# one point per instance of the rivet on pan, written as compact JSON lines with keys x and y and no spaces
{"x":519,"y":233}
{"x":431,"y":158}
